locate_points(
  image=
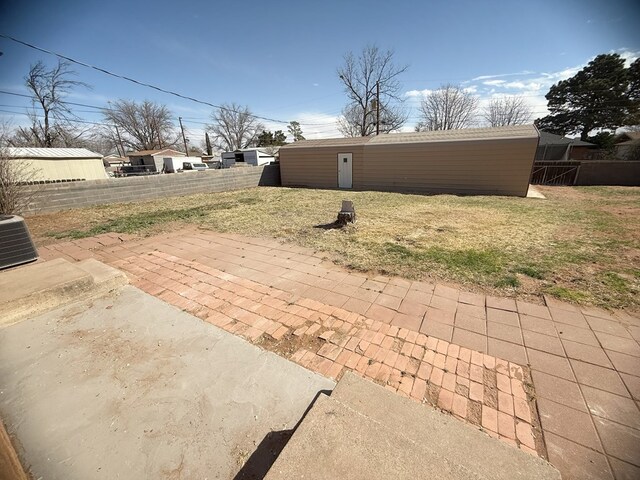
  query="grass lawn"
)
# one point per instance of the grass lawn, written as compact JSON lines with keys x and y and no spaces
{"x":582,"y":244}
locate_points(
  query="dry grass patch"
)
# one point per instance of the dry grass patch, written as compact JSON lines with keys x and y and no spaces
{"x":581,"y":244}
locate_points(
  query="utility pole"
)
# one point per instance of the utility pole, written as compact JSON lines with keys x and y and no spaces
{"x":159,"y":137}
{"x":184,"y":139}
{"x":208,"y":142}
{"x":377,"y":108}
{"x":120,"y":142}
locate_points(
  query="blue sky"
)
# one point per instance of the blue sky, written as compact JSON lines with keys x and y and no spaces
{"x":280,"y":57}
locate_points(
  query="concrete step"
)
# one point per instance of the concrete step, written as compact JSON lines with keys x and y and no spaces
{"x":366,"y":432}
{"x":39,"y":287}
{"x":446,"y":435}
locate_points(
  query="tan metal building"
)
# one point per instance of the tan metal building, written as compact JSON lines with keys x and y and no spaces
{"x":483,"y":161}
{"x":58,"y":164}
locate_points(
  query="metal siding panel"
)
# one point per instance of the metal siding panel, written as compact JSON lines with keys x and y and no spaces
{"x":484,"y":166}
{"x":315,"y":167}
{"x":496,"y":166}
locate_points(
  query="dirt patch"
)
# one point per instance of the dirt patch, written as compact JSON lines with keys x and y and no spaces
{"x":529,"y":389}
{"x":289,"y":343}
{"x":490,"y":388}
{"x":474,"y":412}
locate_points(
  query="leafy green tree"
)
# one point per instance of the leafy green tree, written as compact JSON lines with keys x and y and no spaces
{"x":597,"y":97}
{"x":634,"y":91}
{"x":271,"y":139}
{"x":295,"y":131}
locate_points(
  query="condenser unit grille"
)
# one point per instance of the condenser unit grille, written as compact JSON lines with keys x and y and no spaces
{"x":16,"y":246}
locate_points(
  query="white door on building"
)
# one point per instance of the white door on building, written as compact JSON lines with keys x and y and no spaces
{"x":345,"y":170}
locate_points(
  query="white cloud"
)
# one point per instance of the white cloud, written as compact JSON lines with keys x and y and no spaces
{"x":628,"y":55}
{"x":532,"y":86}
{"x":535,"y":86}
{"x":487,"y":77}
{"x":418,"y":93}
{"x":318,"y":125}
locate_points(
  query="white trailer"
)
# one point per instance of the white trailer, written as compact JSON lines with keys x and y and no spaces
{"x":246,"y":156}
{"x":175,"y":164}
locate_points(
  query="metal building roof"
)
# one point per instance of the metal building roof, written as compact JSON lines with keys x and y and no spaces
{"x":51,"y":153}
{"x":328,"y":142}
{"x":514,"y":131}
{"x":144,"y":153}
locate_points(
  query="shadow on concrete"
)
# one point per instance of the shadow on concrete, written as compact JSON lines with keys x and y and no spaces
{"x":263,"y":457}
{"x":270,"y":447}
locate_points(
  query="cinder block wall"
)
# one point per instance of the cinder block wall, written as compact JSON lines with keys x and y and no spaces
{"x":62,"y":196}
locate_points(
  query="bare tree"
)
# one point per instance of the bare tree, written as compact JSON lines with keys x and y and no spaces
{"x":234,"y":127}
{"x":361,"y":76}
{"x":349,"y":123}
{"x":14,"y":175}
{"x":507,"y":111}
{"x":62,"y":135}
{"x":448,"y":108}
{"x":142,"y":126}
{"x":51,"y":118}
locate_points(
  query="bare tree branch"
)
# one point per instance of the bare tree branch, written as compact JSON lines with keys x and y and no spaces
{"x":51,"y":115}
{"x":448,"y":108}
{"x":359,"y":76}
{"x":507,"y":111}
{"x":234,"y":127}
{"x":143,"y":126}
{"x":14,"y":176}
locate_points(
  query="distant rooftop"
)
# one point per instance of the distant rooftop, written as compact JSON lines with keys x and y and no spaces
{"x":628,"y":138}
{"x":51,"y":153}
{"x":515,"y":131}
{"x":143,"y":153}
{"x":547,"y":138}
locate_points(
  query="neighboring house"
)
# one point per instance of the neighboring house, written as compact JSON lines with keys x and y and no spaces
{"x":246,"y":156}
{"x":58,"y":164}
{"x":494,"y":161}
{"x":176,"y":164}
{"x":114,"y":161}
{"x":628,"y":146}
{"x":153,"y":159}
{"x":553,"y":147}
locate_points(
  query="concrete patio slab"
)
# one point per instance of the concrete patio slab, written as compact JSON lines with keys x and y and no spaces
{"x":129,"y":387}
{"x":274,"y":294}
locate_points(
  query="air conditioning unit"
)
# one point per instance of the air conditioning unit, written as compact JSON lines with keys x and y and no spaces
{"x":16,"y":246}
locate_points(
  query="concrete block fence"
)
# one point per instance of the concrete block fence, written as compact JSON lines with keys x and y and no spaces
{"x":61,"y":196}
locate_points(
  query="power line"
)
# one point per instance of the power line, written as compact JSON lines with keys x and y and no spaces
{"x":191,"y":119}
{"x":39,"y":116}
{"x":133,"y":80}
{"x":169,"y":92}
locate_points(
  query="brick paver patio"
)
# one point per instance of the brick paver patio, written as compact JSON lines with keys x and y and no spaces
{"x":554,"y":379}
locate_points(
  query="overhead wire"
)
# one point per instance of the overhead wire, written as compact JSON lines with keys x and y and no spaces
{"x":137,"y":82}
{"x":202,"y":102}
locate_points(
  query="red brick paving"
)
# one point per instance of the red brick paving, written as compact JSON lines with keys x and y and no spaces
{"x":585,"y":361}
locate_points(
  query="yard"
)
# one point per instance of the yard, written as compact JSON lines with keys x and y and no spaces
{"x":582,"y":244}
